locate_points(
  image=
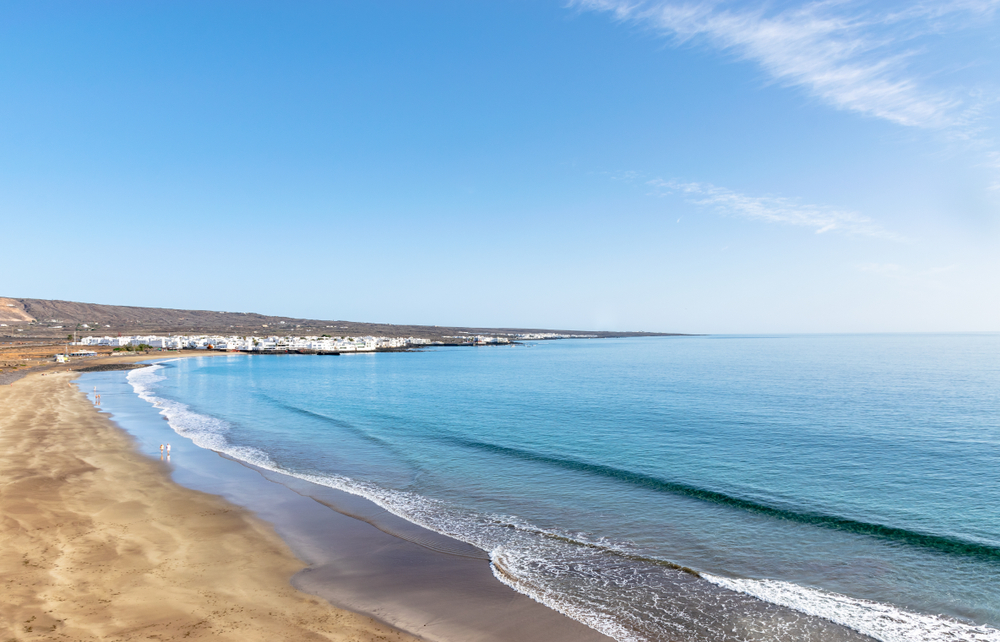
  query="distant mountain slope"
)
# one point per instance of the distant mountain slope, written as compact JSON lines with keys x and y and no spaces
{"x":51,"y":318}
{"x":71,"y":312}
{"x":12,"y":311}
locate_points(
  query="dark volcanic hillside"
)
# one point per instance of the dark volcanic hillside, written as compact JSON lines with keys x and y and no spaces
{"x":44,"y":318}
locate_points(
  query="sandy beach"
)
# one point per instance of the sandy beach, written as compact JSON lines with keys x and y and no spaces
{"x":100,"y":544}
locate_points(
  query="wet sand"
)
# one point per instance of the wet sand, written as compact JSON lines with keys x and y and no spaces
{"x":367,"y":560}
{"x":359,"y":556}
{"x":103,"y":540}
{"x":109,"y":540}
{"x":99,"y":543}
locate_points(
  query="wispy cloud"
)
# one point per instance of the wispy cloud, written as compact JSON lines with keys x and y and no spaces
{"x":852,"y":55}
{"x":774,"y":209}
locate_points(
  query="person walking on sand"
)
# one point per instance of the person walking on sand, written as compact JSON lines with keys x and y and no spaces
{"x":168,"y":450}
{"x":161,"y":449}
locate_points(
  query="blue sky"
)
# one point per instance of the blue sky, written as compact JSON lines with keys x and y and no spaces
{"x":670,"y":166}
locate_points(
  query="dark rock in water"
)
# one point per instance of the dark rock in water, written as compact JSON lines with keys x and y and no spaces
{"x":112,"y":366}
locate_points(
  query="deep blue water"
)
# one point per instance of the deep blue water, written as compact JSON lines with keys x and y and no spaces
{"x":839,"y":475}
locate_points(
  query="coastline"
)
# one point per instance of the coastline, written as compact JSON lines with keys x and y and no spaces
{"x":359,"y":556}
{"x":365,"y":556}
{"x":105,"y":362}
{"x":100,"y":543}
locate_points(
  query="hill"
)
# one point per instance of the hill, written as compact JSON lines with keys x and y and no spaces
{"x":52,"y":319}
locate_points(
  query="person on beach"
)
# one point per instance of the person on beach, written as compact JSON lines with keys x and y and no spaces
{"x":168,"y":450}
{"x":161,"y":449}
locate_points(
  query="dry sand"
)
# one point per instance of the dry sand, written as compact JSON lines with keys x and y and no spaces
{"x":96,"y":542}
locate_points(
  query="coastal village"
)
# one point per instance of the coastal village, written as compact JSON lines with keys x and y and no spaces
{"x":324,"y":344}
{"x":34,"y":333}
{"x":25,"y":355}
{"x":274,"y":343}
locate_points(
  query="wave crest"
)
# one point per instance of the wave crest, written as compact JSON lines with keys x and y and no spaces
{"x":882,"y":531}
{"x":880,"y":621}
{"x":614,"y":588}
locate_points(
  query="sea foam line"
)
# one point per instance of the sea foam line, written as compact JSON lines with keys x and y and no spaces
{"x":880,"y":621}
{"x":209,"y":433}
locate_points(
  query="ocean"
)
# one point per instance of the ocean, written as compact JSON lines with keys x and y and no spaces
{"x":656,"y":488}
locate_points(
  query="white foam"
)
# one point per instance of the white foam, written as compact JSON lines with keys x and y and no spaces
{"x":534,"y":561}
{"x":505,"y":562}
{"x":488,"y":532}
{"x":877,"y":620}
{"x":205,"y":431}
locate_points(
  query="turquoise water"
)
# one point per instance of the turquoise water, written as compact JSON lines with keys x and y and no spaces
{"x":850,"y":477}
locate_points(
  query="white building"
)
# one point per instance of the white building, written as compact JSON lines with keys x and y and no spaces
{"x":256,"y":344}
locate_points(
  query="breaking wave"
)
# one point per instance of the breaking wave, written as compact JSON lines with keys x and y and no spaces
{"x":915,"y":538}
{"x":880,"y":621}
{"x":601,"y":583}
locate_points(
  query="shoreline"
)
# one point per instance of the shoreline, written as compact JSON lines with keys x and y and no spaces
{"x":467,"y":603}
{"x":100,"y":543}
{"x":413,"y":577}
{"x":102,"y":361}
{"x":359,"y":556}
{"x":116,"y":361}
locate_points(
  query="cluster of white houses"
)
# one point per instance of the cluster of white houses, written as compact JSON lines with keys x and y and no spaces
{"x":257,"y":344}
{"x":554,"y":335}
{"x":304,"y":344}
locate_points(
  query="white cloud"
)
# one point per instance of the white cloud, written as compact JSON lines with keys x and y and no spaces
{"x":848,"y":54}
{"x":774,"y":209}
